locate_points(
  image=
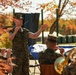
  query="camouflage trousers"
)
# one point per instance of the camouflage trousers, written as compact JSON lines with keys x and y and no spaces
{"x":22,"y":63}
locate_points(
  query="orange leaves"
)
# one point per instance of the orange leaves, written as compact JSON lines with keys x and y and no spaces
{"x":70,"y":27}
{"x":42,"y":6}
{"x":4,"y":21}
{"x":1,"y":40}
{"x":48,"y":6}
{"x":73,"y":3}
{"x":2,"y":31}
{"x":14,"y":3}
{"x":6,"y":2}
{"x":55,"y":6}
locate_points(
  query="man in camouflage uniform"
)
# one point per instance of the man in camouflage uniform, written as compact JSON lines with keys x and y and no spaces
{"x":19,"y":37}
{"x":47,"y":57}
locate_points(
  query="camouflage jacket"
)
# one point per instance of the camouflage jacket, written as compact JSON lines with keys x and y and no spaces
{"x":20,"y":41}
{"x":48,"y":56}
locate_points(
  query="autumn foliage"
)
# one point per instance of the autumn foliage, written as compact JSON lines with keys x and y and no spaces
{"x":66,"y":27}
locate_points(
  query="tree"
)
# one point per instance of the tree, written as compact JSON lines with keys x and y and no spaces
{"x":5,"y":41}
{"x":19,"y":4}
{"x":65,"y":7}
{"x":63,"y":29}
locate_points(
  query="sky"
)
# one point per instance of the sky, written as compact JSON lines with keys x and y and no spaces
{"x":31,"y":10}
{"x":34,"y":5}
{"x":34,"y":2}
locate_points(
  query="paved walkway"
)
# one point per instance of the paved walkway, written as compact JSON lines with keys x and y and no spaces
{"x":34,"y":70}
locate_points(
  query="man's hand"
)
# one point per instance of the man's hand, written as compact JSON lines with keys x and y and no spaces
{"x":44,"y":26}
{"x":61,"y":50}
{"x":17,"y":28}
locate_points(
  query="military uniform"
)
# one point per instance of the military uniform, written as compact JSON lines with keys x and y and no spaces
{"x":20,"y":51}
{"x":47,"y":57}
{"x":46,"y":60}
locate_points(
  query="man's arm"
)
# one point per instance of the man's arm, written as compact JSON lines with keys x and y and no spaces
{"x":18,"y":24}
{"x":11,"y":36}
{"x":35,"y":35}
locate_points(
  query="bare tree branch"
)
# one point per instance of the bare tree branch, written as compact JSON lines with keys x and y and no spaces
{"x":53,"y":27}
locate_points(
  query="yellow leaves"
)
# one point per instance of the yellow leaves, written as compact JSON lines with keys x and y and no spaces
{"x":5,"y":35}
{"x":5,"y":20}
{"x":48,"y":7}
{"x":1,"y":40}
{"x":55,"y":6}
{"x":4,"y":41}
{"x":44,"y":6}
{"x":49,"y":22}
